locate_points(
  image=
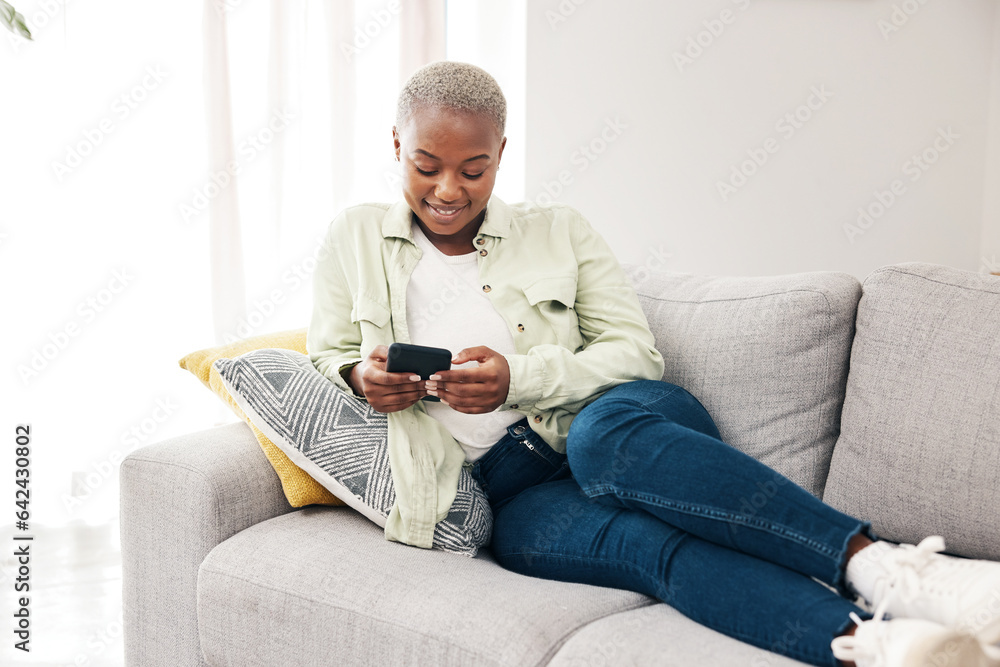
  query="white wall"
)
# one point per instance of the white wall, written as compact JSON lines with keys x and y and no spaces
{"x":675,"y":129}
{"x":991,"y":185}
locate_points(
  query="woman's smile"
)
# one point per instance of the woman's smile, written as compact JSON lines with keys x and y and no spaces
{"x":443,"y":214}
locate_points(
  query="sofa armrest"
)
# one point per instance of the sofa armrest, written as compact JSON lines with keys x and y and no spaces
{"x":179,"y":499}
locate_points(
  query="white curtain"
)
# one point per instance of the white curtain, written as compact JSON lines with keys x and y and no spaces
{"x":300,"y":98}
{"x":224,"y":207}
{"x":422,"y":35}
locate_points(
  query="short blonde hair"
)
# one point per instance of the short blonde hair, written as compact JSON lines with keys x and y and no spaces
{"x":453,"y":85}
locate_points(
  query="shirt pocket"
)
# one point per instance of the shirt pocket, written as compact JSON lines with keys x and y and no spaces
{"x":372,"y":316}
{"x":553,"y":298}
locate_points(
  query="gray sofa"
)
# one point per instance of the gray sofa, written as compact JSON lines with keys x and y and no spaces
{"x":882,"y":398}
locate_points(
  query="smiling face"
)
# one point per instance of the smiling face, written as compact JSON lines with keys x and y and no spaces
{"x":450,"y":161}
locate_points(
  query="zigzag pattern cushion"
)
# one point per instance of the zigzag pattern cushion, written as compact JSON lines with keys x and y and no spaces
{"x":340,"y":441}
{"x":300,"y":489}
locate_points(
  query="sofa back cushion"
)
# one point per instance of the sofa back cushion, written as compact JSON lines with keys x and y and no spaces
{"x":767,"y":357}
{"x":919,"y":452}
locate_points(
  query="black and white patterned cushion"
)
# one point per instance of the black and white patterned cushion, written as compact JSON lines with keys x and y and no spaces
{"x":340,"y":441}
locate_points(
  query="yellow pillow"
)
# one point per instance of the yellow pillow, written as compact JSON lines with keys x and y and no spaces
{"x":300,"y":489}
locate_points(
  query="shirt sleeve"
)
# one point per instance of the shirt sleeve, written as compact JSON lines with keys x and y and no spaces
{"x":333,"y":340}
{"x":618,"y":344}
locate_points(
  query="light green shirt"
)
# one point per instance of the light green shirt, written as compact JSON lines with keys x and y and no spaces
{"x":577,"y":325}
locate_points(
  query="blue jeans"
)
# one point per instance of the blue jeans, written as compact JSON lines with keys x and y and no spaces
{"x":657,"y":503}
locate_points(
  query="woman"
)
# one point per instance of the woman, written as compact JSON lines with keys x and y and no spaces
{"x":549,"y":334}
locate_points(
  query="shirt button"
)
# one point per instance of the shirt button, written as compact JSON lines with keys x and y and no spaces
{"x":520,"y":327}
{"x":486,"y":288}
{"x":480,"y":241}
{"x":483,"y":252}
{"x":513,"y":406}
{"x":538,"y":419}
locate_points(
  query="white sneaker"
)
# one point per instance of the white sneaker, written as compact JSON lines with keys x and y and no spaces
{"x":912,"y":642}
{"x":959,"y":593}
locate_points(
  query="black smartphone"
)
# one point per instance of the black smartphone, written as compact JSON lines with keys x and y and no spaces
{"x":419,"y":359}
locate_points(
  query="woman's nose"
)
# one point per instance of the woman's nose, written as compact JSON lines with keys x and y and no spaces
{"x":447,"y":188}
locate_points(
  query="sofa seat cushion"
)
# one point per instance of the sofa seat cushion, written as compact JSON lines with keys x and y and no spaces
{"x":767,"y":357}
{"x":919,"y":452}
{"x":662,"y":636}
{"x":322,"y":586}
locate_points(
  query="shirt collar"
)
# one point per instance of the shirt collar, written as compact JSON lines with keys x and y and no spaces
{"x":497,"y":222}
{"x":398,"y":219}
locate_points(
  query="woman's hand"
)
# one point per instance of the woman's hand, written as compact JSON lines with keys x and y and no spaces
{"x":386,"y":392}
{"x":473,"y":390}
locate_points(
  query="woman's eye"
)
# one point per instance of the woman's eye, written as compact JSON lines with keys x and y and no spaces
{"x":473,"y":176}
{"x":425,"y":173}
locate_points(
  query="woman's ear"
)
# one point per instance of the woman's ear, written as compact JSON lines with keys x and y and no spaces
{"x":503,"y":142}
{"x":395,"y":142}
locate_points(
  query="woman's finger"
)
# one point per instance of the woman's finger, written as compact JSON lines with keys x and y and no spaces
{"x":394,"y":401}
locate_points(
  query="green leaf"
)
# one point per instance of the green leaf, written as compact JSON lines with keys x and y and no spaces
{"x":22,"y":28}
{"x":13,"y":20}
{"x":7,"y":13}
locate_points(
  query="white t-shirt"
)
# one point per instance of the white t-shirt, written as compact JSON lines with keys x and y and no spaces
{"x":445,"y":307}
